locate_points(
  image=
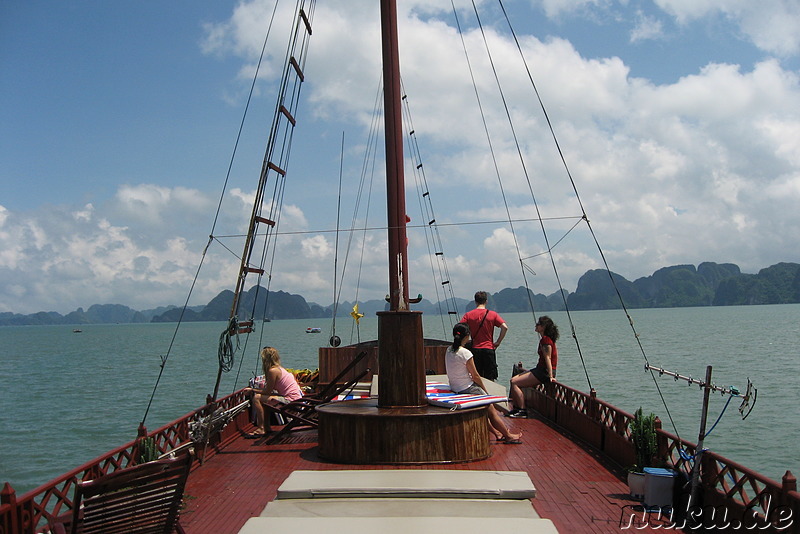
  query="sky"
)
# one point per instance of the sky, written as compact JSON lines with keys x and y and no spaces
{"x":679,"y":122}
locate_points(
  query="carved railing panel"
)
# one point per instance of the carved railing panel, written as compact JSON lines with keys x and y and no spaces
{"x":755,"y":500}
{"x":33,"y":511}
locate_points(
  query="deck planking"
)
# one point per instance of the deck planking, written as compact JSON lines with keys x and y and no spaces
{"x":577,"y":488}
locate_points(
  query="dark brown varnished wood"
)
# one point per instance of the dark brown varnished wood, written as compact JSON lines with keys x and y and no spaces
{"x":361,"y":432}
{"x":333,"y":359}
{"x":401,"y":358}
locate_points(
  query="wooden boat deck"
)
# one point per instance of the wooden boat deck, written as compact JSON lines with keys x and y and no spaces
{"x":576,"y":488}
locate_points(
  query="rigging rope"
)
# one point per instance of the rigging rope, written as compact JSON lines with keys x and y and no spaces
{"x":227,"y":348}
{"x":332,"y":339}
{"x":280,"y":142}
{"x":585,"y":217}
{"x":211,"y":237}
{"x":535,"y":203}
{"x":369,"y":163}
{"x":367,"y":171}
{"x":432,"y":236}
{"x":530,"y":186}
{"x":491,"y":145}
{"x":384,"y":228}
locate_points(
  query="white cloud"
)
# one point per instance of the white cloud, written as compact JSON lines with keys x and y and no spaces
{"x":784,"y":135}
{"x":85,"y":214}
{"x":82,"y":258}
{"x":704,"y":168}
{"x":646,"y":28}
{"x":556,"y":8}
{"x":154,"y":205}
{"x":770,"y":24}
{"x":317,"y":248}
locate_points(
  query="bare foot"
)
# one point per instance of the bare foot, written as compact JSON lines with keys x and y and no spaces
{"x":258,"y":433}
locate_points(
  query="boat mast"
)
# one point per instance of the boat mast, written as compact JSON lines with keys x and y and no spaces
{"x":395,"y":181}
{"x":399,"y":427}
{"x":401,"y":355}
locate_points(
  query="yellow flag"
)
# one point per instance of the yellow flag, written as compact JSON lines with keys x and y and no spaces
{"x":354,"y":314}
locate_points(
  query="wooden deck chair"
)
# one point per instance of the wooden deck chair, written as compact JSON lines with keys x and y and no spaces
{"x":302,"y":413}
{"x":331,"y":390}
{"x":145,"y":498}
{"x":334,"y":388}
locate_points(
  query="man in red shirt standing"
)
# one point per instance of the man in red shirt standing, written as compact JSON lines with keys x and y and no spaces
{"x":482,"y":323}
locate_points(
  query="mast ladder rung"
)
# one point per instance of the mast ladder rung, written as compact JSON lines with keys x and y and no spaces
{"x":438,"y":253}
{"x":296,"y":66}
{"x":288,"y":115}
{"x":445,"y":282}
{"x":452,"y":313}
{"x":253,"y":270}
{"x":431,"y":222}
{"x":419,"y":166}
{"x":426,"y":193}
{"x":264,"y":220}
{"x":305,"y":21}
{"x":276,"y":169}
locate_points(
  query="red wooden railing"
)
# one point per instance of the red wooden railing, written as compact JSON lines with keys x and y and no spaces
{"x":732,"y":495}
{"x":34,"y":511}
{"x":730,"y":490}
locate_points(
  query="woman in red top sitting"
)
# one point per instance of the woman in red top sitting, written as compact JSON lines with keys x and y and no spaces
{"x":545,"y":370}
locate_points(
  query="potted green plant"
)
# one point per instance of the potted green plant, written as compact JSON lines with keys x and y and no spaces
{"x":645,"y":446}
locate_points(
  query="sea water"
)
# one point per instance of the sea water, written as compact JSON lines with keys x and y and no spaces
{"x":69,"y":397}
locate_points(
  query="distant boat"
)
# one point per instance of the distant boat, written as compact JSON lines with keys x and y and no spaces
{"x":313,"y":330}
{"x":76,"y":330}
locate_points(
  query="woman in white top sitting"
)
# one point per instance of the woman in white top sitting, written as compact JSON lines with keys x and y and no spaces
{"x":464,"y":378}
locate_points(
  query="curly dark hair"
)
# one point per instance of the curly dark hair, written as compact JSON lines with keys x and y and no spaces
{"x":550,"y":328}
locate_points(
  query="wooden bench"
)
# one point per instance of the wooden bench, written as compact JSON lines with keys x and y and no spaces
{"x":143,"y":498}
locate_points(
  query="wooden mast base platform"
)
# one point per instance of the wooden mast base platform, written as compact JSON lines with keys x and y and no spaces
{"x":361,"y":432}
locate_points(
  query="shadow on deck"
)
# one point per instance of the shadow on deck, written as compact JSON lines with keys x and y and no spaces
{"x":577,"y":488}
